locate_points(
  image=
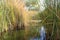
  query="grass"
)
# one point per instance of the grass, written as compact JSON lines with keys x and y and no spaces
{"x":8,"y":19}
{"x":7,"y":16}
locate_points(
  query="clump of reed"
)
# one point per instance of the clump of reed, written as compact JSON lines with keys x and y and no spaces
{"x":8,"y":17}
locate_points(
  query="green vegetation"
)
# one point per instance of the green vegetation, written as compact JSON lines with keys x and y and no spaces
{"x":51,"y":20}
{"x":10,"y":20}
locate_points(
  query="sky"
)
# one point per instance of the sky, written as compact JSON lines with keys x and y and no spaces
{"x":41,"y":3}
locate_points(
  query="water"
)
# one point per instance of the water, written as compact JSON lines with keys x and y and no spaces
{"x":42,"y":34}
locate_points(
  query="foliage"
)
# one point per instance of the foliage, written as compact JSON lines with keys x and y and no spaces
{"x":8,"y":16}
{"x":50,"y":19}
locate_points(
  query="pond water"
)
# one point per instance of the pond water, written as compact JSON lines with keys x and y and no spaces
{"x":42,"y":34}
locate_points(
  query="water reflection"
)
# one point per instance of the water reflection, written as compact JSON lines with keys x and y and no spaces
{"x":42,"y":34}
